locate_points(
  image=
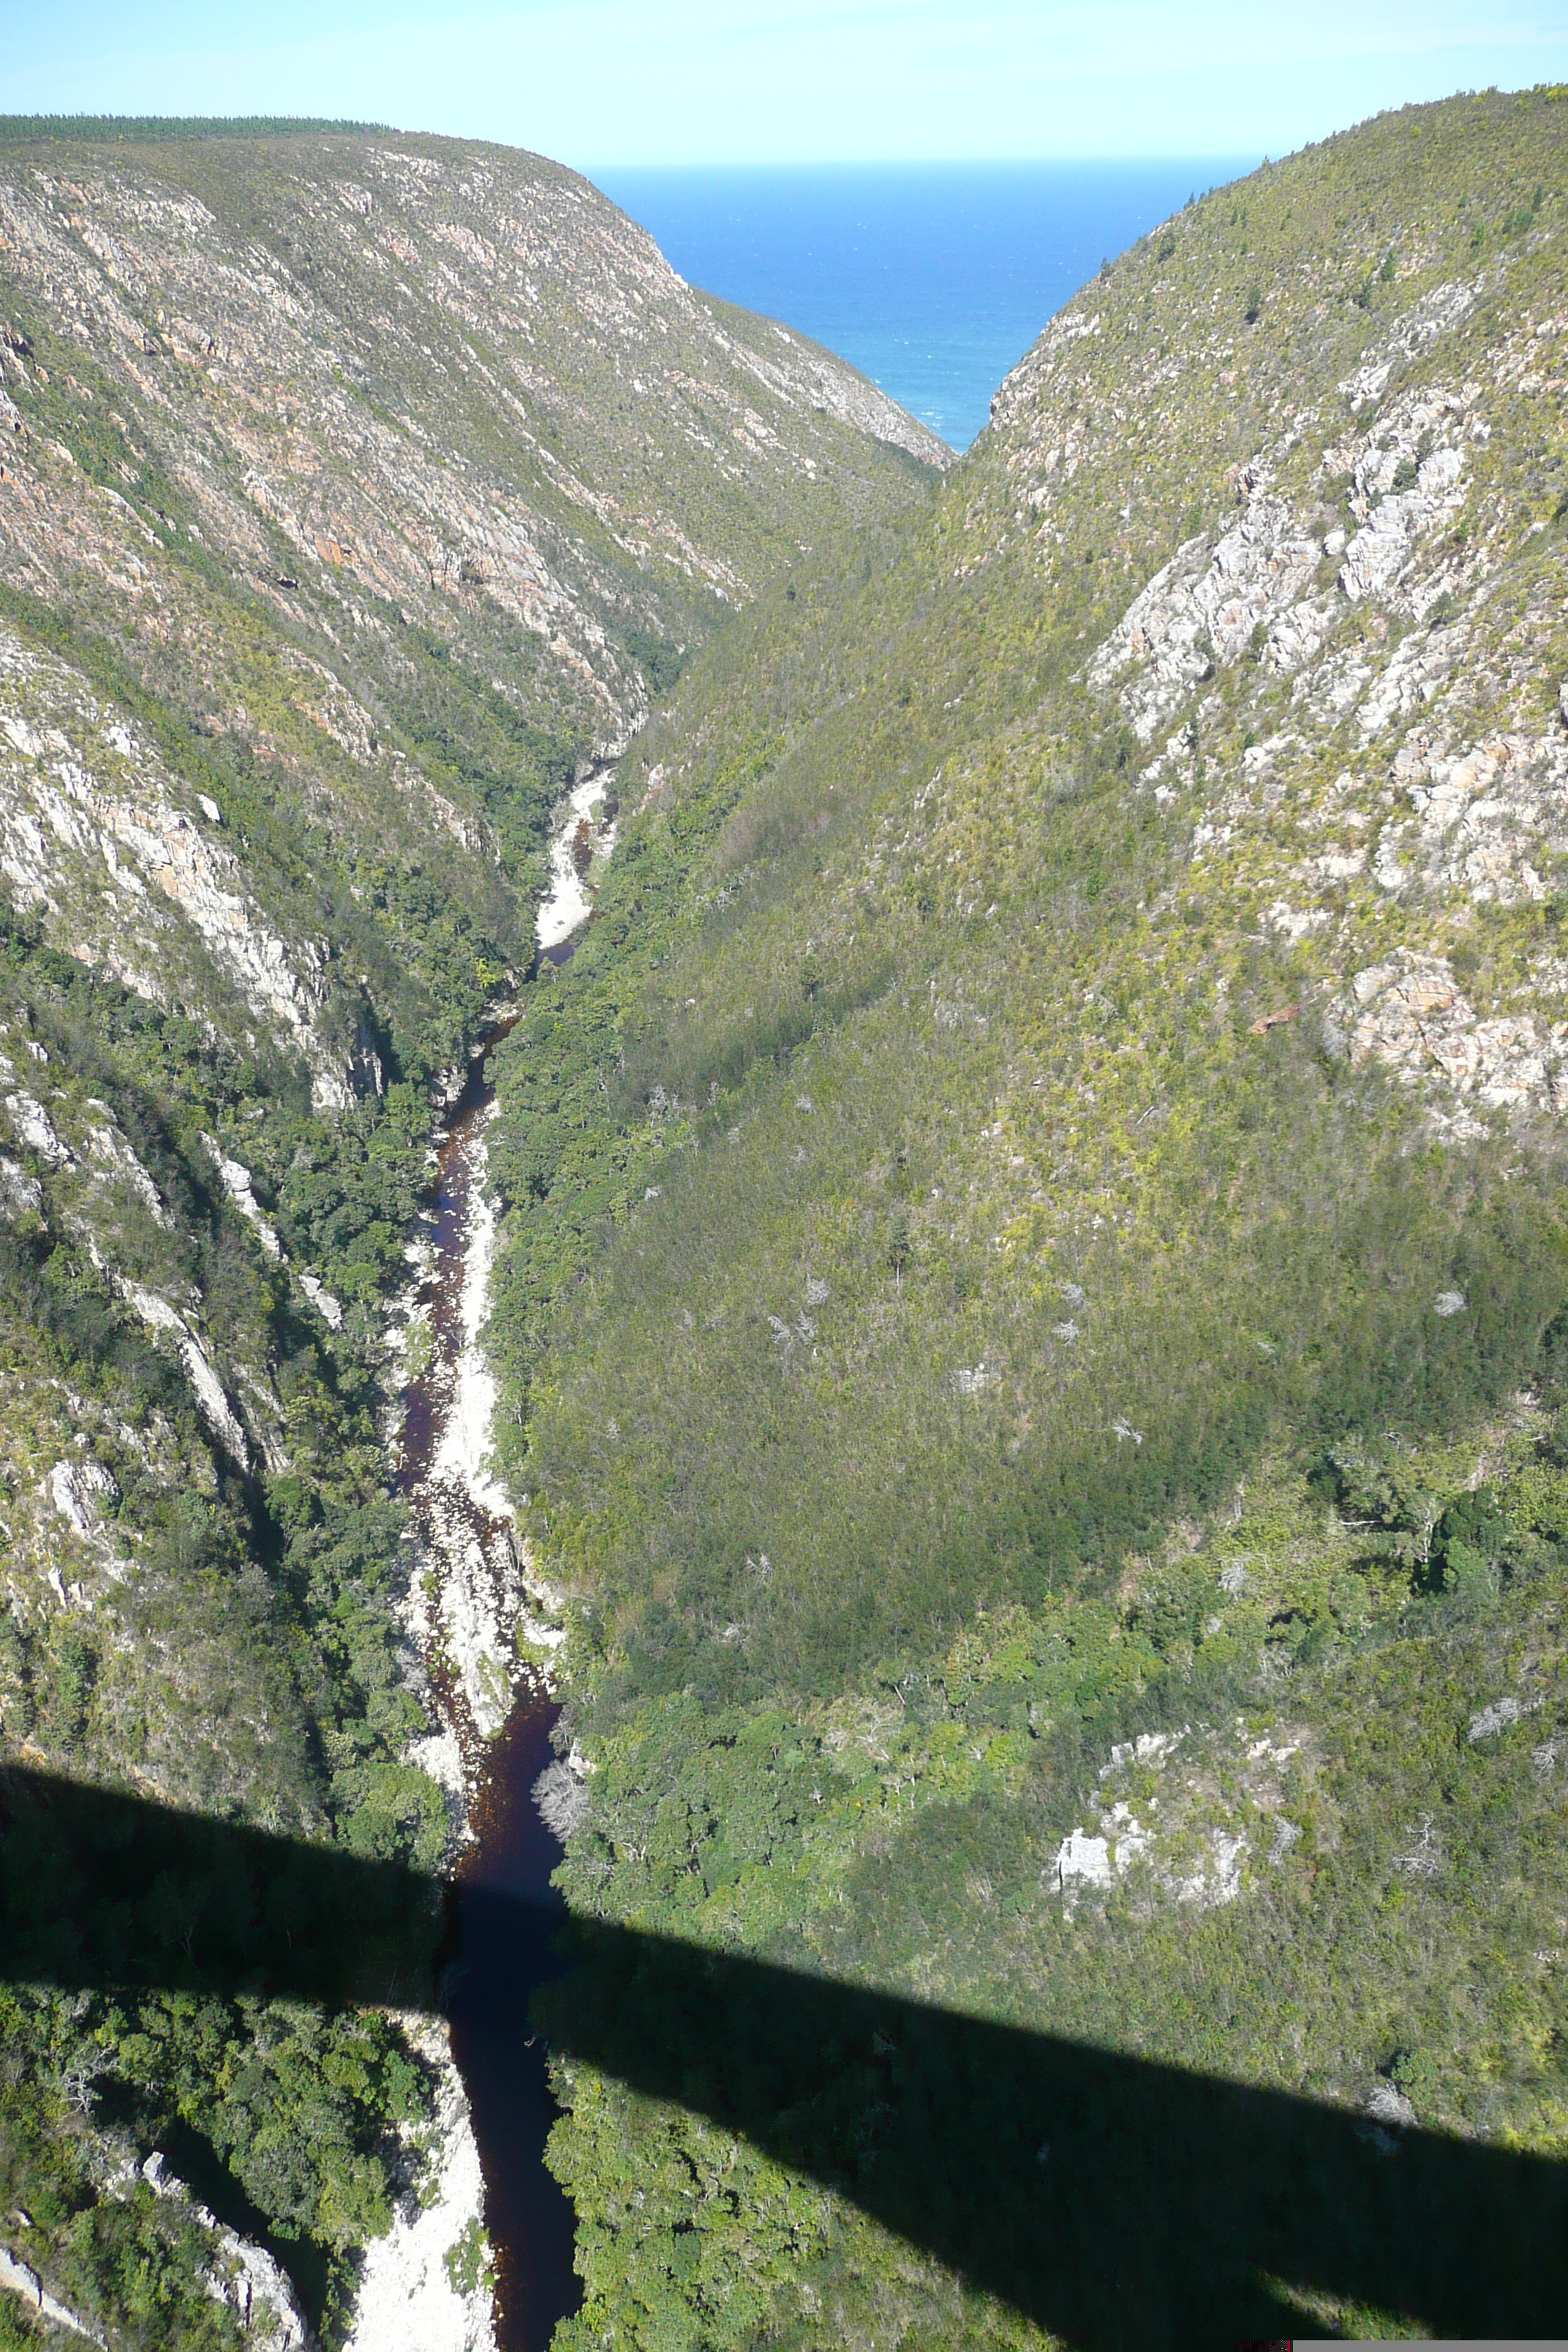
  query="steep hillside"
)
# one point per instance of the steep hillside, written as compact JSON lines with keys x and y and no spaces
{"x":392,"y":479}
{"x":358,"y":493}
{"x":1035,"y":1285}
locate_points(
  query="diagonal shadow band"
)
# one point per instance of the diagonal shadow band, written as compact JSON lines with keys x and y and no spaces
{"x":1118,"y":2202}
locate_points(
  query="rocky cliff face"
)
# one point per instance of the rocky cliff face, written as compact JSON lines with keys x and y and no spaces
{"x":287,"y":423}
{"x":430,"y":369}
{"x":131,"y":882}
{"x":1386,"y":603}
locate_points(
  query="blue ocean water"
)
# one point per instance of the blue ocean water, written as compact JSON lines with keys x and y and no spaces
{"x":934,"y":279}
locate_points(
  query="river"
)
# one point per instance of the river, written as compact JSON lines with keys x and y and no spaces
{"x":462,"y":1533}
{"x":470,"y":1594}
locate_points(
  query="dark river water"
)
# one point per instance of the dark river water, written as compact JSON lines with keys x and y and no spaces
{"x":527,"y":2217}
{"x":495,"y":1961}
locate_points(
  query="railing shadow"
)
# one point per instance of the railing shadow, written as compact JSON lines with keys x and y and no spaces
{"x":1118,"y":2202}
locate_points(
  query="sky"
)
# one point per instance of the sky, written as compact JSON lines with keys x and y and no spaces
{"x":729,"y":81}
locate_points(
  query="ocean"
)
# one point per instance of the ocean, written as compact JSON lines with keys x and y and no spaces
{"x":934,"y":279}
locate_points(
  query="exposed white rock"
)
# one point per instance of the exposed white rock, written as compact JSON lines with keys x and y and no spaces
{"x":1021,"y":388}
{"x":160,"y":1315}
{"x":1396,"y":519}
{"x":1444,"y":307}
{"x":78,"y":1490}
{"x":1083,"y":1861}
{"x":237,"y":1183}
{"x":1149,"y":1747}
{"x":22,"y":2279}
{"x":84,"y":800}
{"x":19,"y":1192}
{"x":1200,"y":611}
{"x":1335,"y":686}
{"x":110,"y":1151}
{"x":580,"y":841}
{"x":328,"y":1309}
{"x":1172,"y":1833}
{"x":1293,"y":922}
{"x":261,"y":2295}
{"x":104,"y":1155}
{"x":407,"y":2301}
{"x":1483,"y":814}
{"x":1495,"y":1718}
{"x":481,"y":1590}
{"x":1409,"y":1014}
{"x":1417,"y":669}
{"x":440,"y":1753}
{"x":1215,"y":1877}
{"x":464,"y":1449}
{"x":34,"y":1127}
{"x":115,"y":1157}
{"x":248,"y":2278}
{"x":464,"y":1603}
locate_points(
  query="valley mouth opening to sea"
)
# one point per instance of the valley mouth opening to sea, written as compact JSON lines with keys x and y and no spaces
{"x":932,"y":278}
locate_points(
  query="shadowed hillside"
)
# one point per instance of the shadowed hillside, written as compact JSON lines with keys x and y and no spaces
{"x":1116,"y":2202}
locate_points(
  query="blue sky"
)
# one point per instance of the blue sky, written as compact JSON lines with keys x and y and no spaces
{"x":690,"y":81}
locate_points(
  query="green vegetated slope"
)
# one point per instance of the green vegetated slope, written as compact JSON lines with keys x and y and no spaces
{"x":1032,"y":1309}
{"x":355,"y":491}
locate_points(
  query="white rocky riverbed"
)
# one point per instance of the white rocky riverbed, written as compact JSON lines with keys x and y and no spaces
{"x":587,"y":837}
{"x":416,"y":2294}
{"x":470,"y":1597}
{"x":409,"y":2299}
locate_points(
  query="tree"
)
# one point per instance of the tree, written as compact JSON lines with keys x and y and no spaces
{"x":899,"y":1248}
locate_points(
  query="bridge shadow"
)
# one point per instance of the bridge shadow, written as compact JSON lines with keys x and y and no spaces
{"x":1118,"y":2202}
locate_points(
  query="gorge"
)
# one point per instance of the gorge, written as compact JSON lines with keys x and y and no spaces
{"x":473,"y":1617}
{"x":852,"y":1158}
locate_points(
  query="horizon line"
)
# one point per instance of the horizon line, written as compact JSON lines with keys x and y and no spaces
{"x":917,"y":163}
